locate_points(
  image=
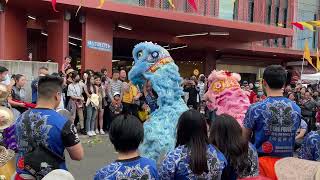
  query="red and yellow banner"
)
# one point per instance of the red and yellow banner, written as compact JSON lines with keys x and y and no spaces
{"x":310,"y":25}
{"x":193,"y":4}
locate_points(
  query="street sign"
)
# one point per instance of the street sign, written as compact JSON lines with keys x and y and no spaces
{"x":100,"y":46}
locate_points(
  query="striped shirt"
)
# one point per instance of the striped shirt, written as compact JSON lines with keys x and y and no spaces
{"x":115,"y":86}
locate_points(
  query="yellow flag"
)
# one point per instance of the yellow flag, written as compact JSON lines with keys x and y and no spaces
{"x":314,"y":23}
{"x":307,"y":25}
{"x":280,"y":24}
{"x":171,"y":3}
{"x":318,"y":60}
{"x":101,"y":4}
{"x":306,"y":54}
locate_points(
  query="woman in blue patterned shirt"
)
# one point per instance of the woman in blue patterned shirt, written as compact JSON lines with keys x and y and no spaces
{"x":193,"y":158}
{"x":226,"y":135}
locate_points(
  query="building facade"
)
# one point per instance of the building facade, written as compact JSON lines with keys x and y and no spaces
{"x":241,"y":35}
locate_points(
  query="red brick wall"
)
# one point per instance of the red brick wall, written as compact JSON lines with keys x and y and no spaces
{"x":100,"y":30}
{"x":13,"y":34}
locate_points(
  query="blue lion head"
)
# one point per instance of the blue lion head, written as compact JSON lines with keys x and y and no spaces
{"x":148,"y":58}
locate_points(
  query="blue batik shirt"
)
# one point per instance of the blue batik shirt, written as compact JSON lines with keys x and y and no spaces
{"x":34,"y":89}
{"x":176,"y":165}
{"x":45,"y":127}
{"x":138,"y":168}
{"x":310,"y":149}
{"x":274,"y":123}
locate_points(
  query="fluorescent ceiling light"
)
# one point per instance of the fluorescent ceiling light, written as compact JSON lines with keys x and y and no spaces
{"x":80,"y":46}
{"x":115,"y":60}
{"x":219,"y":33}
{"x":192,"y":35}
{"x":32,"y":17}
{"x":73,"y":44}
{"x":76,"y":38}
{"x":129,"y":28}
{"x":43,"y":33}
{"x":180,"y":47}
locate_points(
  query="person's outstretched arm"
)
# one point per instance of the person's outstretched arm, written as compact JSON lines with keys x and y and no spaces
{"x":72,"y":142}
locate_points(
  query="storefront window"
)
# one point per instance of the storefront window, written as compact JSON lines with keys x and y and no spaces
{"x":251,"y":10}
{"x":307,"y":10}
{"x":235,"y":10}
{"x":226,"y":9}
{"x":133,"y":2}
{"x":165,"y":4}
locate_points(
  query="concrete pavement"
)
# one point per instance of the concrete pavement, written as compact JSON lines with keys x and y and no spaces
{"x":98,"y":152}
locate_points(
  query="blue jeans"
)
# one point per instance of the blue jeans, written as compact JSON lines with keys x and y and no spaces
{"x":91,"y":118}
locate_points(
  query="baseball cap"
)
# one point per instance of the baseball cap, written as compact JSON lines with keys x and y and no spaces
{"x":116,"y":93}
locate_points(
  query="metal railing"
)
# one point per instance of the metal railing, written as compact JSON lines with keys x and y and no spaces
{"x":224,"y":9}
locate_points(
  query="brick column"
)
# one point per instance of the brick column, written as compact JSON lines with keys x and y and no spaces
{"x":13,"y":34}
{"x":260,"y":11}
{"x":58,"y":40}
{"x":243,"y":10}
{"x":97,"y":35}
{"x":291,"y":16}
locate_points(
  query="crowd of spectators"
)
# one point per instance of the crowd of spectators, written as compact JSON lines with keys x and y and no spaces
{"x":276,"y":125}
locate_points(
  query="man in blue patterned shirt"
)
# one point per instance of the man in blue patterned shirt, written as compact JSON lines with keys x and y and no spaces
{"x":310,"y":149}
{"x":43,"y":135}
{"x":126,"y":134}
{"x":272,"y":124}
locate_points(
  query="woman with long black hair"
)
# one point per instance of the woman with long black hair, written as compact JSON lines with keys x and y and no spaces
{"x":226,"y":135}
{"x":193,"y":157}
{"x":91,"y":108}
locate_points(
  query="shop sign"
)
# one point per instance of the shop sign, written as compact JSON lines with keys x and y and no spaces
{"x":101,"y":46}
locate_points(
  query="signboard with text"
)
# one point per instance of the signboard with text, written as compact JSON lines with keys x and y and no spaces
{"x":100,"y":46}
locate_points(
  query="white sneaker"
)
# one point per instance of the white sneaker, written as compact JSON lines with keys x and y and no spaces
{"x":97,"y":131}
{"x":89,"y":133}
{"x":102,"y":132}
{"x":93,"y":133}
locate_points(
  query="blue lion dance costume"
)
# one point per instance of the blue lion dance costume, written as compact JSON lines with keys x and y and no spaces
{"x":153,"y":62}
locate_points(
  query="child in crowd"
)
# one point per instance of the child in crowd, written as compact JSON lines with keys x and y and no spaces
{"x":116,"y":106}
{"x":144,"y":111}
{"x":126,"y":134}
{"x":102,"y":95}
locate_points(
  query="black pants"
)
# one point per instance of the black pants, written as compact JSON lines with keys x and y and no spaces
{"x":311,"y":121}
{"x":193,"y":105}
{"x":107,"y":119}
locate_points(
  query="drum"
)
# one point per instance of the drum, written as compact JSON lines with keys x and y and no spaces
{"x":6,"y":117}
{"x":7,"y":163}
{"x":4,"y":93}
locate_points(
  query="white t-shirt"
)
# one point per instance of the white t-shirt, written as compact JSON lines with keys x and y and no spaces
{"x":75,"y":90}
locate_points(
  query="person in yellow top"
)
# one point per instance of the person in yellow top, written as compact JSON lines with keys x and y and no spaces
{"x":144,"y":112}
{"x":130,"y":98}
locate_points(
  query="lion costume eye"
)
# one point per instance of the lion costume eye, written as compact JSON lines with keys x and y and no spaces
{"x":217,"y":86}
{"x":140,"y":54}
{"x":155,"y":54}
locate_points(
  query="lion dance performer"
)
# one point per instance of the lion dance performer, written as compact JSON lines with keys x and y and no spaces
{"x":225,"y":95}
{"x":154,"y":63}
